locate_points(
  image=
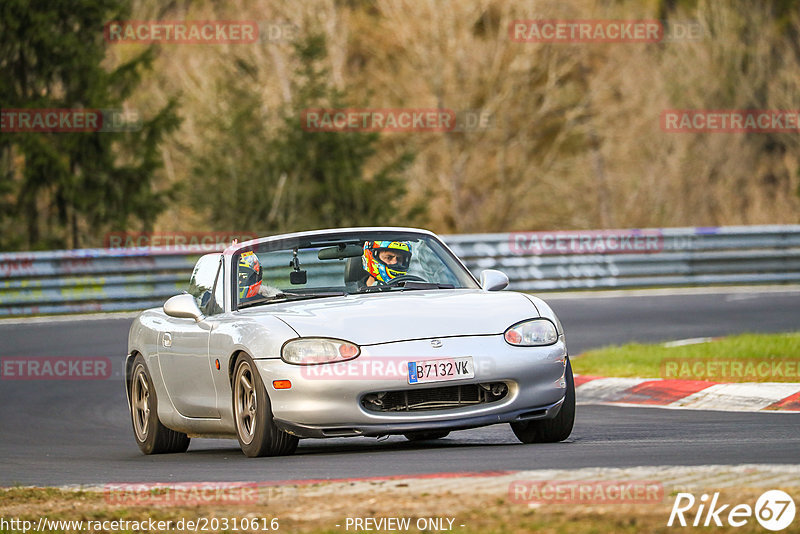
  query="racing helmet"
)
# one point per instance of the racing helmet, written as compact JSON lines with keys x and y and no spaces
{"x":377,"y":268}
{"x":249,"y":275}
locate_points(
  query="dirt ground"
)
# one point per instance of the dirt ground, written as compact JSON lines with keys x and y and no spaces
{"x":596,"y":502}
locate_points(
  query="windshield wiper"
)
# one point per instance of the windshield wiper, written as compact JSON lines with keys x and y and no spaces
{"x":409,"y":285}
{"x":287,"y":297}
{"x":377,"y":289}
{"x":413,"y":284}
{"x":304,"y":296}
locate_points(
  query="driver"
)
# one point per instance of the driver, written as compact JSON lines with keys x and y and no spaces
{"x":385,"y":260}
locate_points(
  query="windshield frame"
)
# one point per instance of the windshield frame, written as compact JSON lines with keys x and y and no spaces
{"x":331,"y":237}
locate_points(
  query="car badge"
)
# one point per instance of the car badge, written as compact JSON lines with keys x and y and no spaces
{"x":435,"y":343}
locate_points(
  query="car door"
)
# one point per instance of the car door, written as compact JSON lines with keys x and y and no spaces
{"x":183,"y":347}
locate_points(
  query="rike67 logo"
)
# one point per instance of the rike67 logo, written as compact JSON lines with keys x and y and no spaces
{"x":774,"y":510}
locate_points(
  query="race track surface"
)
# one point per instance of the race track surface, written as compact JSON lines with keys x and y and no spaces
{"x":78,"y":432}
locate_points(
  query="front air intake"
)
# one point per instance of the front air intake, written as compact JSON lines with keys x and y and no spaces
{"x":437,"y":398}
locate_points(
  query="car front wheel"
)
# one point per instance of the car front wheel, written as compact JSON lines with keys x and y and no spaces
{"x":551,"y":430}
{"x":255,"y":429}
{"x":151,"y":436}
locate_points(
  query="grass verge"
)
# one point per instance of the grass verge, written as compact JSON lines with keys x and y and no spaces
{"x":740,"y":358}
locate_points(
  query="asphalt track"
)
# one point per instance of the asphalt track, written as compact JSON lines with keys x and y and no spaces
{"x":78,"y":432}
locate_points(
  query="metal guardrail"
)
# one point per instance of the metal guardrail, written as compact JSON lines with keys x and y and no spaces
{"x":91,"y":280}
{"x":683,"y":257}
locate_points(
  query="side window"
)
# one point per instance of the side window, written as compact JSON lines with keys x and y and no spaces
{"x":202,"y":282}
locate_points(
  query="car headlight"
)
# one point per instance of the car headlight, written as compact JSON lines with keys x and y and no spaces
{"x":532,"y":333}
{"x":313,"y":351}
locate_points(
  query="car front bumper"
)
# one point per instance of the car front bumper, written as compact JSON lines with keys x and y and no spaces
{"x":326,"y":400}
{"x":460,"y":423}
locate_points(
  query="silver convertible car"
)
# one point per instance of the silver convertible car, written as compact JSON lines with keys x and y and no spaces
{"x":346,"y":332}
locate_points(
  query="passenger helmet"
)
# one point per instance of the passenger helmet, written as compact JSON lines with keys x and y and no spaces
{"x":249,"y":275}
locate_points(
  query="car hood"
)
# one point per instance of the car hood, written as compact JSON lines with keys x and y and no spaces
{"x":387,"y":317}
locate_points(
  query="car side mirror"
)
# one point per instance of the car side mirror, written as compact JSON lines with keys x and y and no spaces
{"x":182,"y":306}
{"x":492,"y":280}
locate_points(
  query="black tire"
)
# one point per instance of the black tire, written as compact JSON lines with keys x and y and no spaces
{"x":551,"y":430}
{"x":151,"y":436}
{"x":425,"y":436}
{"x":256,"y":431}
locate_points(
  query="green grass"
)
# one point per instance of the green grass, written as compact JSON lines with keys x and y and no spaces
{"x":741,"y":358}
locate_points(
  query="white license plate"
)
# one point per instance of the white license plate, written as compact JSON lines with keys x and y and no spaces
{"x":441,"y":369}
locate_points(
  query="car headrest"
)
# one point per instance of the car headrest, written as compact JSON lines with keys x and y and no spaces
{"x":353,"y":270}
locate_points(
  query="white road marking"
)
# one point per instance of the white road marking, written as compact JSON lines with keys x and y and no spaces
{"x":744,"y":397}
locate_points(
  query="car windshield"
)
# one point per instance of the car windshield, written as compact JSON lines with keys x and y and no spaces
{"x":348,"y":263}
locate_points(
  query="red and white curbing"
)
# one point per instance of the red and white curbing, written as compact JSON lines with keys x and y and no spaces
{"x":689,"y":394}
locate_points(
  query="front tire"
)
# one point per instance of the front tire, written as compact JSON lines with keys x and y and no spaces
{"x":551,"y":430}
{"x":255,"y":429}
{"x":152,"y":437}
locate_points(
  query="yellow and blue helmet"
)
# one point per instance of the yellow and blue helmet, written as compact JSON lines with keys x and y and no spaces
{"x":249,"y":275}
{"x":379,"y":269}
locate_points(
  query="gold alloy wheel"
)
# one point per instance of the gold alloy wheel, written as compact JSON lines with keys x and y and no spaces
{"x":140,"y":402}
{"x":246,"y":402}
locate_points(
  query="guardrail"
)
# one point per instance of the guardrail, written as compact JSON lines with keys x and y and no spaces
{"x":120,"y":279}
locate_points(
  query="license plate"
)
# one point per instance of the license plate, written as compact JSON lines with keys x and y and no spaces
{"x":441,"y":369}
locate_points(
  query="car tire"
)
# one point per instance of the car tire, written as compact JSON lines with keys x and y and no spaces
{"x":255,"y":429}
{"x":151,"y":435}
{"x":551,"y":430}
{"x":425,"y":436}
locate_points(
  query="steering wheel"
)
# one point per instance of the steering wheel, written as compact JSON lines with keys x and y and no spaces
{"x":404,"y":278}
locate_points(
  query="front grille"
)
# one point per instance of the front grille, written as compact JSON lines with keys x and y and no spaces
{"x":441,"y":398}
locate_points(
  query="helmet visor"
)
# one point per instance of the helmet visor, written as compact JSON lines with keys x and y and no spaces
{"x":247,"y":277}
{"x":392,"y":258}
